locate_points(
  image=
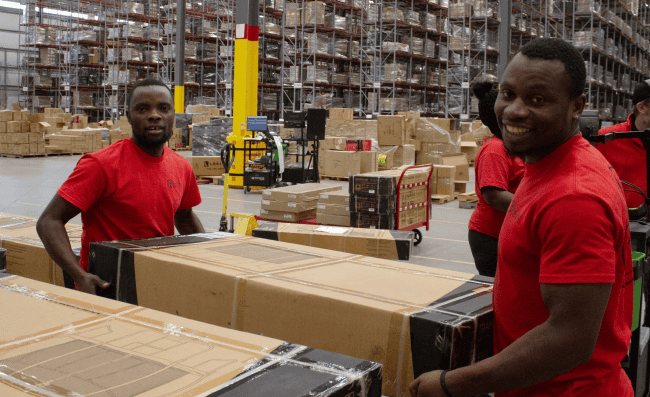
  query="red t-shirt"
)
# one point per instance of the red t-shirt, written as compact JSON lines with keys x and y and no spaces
{"x":628,"y":157}
{"x":567,"y":224}
{"x":124,"y":193}
{"x":493,"y":167}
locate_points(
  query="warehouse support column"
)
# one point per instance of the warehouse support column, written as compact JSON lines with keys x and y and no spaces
{"x":505,"y":11}
{"x":179,"y":64}
{"x":245,"y":84}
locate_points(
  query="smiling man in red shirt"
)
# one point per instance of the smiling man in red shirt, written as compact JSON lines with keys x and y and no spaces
{"x":135,"y":188}
{"x":562,"y":295}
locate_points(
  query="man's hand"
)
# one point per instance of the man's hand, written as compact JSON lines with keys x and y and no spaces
{"x":88,"y":283}
{"x":427,"y":385}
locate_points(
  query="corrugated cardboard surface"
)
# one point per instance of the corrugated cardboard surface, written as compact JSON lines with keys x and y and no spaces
{"x":335,"y":220}
{"x":286,"y":206}
{"x":207,"y":166}
{"x":298,"y":193}
{"x":340,"y":197}
{"x":460,"y":162}
{"x":333,"y":209}
{"x":391,"y":130}
{"x":26,"y":255}
{"x":66,"y":343}
{"x":288,"y":216}
{"x":359,"y":306}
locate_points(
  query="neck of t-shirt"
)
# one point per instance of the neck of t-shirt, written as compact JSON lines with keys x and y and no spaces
{"x":551,"y":158}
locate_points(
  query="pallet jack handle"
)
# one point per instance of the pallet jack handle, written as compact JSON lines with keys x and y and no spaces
{"x":227,"y":159}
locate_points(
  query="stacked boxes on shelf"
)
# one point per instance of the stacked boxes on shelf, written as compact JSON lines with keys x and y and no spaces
{"x":333,"y":208}
{"x":293,"y":203}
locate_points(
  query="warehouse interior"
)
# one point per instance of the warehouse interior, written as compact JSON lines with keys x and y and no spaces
{"x":341,"y":134}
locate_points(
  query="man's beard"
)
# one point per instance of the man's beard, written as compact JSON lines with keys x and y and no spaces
{"x":144,"y":142}
{"x":512,"y":154}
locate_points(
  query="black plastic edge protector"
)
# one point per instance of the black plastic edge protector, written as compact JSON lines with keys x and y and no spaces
{"x":268,"y":230}
{"x":432,"y":333}
{"x":403,"y":243}
{"x":370,"y":381}
{"x":103,"y":262}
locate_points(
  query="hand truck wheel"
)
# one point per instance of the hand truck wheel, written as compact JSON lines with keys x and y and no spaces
{"x":418,"y":237}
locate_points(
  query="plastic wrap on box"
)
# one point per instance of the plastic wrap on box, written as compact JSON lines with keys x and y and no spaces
{"x":152,"y":33}
{"x":131,"y":54}
{"x":339,"y":48}
{"x":113,"y":33}
{"x":389,"y":47}
{"x":430,"y":49}
{"x":131,"y":7}
{"x":392,"y":14}
{"x":429,"y":21}
{"x":209,"y":137}
{"x":226,"y":51}
{"x":394,"y":72}
{"x":486,"y":39}
{"x":153,"y":56}
{"x":340,"y":78}
{"x":292,"y":14}
{"x":316,"y":74}
{"x":412,"y":17}
{"x":169,"y":51}
{"x":588,"y":38}
{"x":272,"y":50}
{"x":354,"y":49}
{"x":112,"y":54}
{"x":133,"y":31}
{"x":272,"y":28}
{"x":336,"y":21}
{"x":415,"y":43}
{"x":189,"y":76}
{"x":206,"y":51}
{"x":313,"y":13}
{"x":318,"y":42}
{"x":47,"y":56}
{"x":460,"y":10}
{"x":484,"y":8}
{"x":270,"y":101}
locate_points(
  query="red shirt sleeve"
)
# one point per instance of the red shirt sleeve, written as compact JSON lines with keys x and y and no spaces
{"x":191,"y":195}
{"x":494,"y":171}
{"x":577,"y":240}
{"x":86,"y":185}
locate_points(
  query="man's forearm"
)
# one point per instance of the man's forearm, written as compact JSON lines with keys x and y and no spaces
{"x":188,"y":224}
{"x":540,"y":355}
{"x":57,"y":244}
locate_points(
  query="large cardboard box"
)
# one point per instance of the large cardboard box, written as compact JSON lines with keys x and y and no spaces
{"x":66,"y":343}
{"x":333,"y":143}
{"x":286,"y":206}
{"x":470,"y":149}
{"x":333,"y":220}
{"x":299,"y":193}
{"x":333,"y":209}
{"x":445,"y":179}
{"x":26,"y":255}
{"x":344,"y":164}
{"x":337,"y":197}
{"x":71,"y":143}
{"x":374,"y":243}
{"x":410,"y":217}
{"x":14,"y":126}
{"x":391,"y":130}
{"x":396,"y":156}
{"x":284,"y":216}
{"x":435,"y":130}
{"x":410,"y":318}
{"x":460,"y":162}
{"x":207,"y":166}
{"x":6,"y":115}
{"x":17,"y":137}
{"x":341,"y":114}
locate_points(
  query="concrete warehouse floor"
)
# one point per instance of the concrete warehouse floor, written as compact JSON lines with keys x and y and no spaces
{"x":28,"y":184}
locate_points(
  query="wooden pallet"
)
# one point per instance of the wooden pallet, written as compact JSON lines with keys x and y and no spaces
{"x":334,"y":178}
{"x":210,"y":180}
{"x":20,"y":156}
{"x":441,"y":198}
{"x":468,"y":197}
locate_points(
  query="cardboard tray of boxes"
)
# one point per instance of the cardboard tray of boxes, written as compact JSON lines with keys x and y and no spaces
{"x":410,"y":318}
{"x":63,"y":343}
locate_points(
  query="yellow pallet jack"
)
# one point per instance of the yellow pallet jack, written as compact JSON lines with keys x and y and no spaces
{"x":245,"y":222}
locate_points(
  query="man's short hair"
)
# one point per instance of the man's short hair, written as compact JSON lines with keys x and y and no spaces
{"x":641,"y":92}
{"x":146,"y":83}
{"x":560,"y":50}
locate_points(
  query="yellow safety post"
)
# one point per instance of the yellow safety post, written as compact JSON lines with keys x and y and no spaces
{"x":245,"y":81}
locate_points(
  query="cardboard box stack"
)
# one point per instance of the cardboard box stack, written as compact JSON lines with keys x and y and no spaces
{"x":410,"y":318}
{"x":66,"y":343}
{"x":337,"y":159}
{"x":437,"y":138}
{"x":333,"y":208}
{"x":374,"y":204}
{"x":445,"y":180}
{"x":396,"y":148}
{"x":18,"y":137}
{"x":293,"y":203}
{"x":207,"y":166}
{"x":375,"y":243}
